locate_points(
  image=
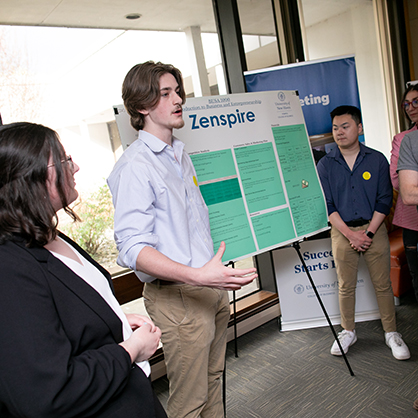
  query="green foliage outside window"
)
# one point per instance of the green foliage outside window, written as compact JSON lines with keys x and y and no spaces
{"x":95,"y":231}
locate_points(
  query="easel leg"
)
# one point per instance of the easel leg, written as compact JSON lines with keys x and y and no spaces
{"x":296,"y":246}
{"x":234,"y":314}
{"x":234,"y":303}
{"x":224,"y":387}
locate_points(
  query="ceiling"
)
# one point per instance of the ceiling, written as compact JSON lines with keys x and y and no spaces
{"x":165,"y":15}
{"x":161,"y":15}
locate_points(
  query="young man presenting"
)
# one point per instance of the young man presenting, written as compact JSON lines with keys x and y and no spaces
{"x":162,"y":233}
{"x":358,"y":192}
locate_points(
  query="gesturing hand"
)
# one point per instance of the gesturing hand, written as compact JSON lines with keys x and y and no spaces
{"x":215,"y":274}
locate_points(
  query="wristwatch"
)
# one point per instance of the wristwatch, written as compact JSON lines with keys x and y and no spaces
{"x":369,"y":234}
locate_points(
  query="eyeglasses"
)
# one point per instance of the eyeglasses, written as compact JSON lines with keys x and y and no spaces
{"x":414,"y":104}
{"x":68,"y":160}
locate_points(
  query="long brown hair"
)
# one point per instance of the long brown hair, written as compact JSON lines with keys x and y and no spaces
{"x":25,"y":208}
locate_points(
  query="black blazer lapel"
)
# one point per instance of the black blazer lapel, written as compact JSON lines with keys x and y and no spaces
{"x":79,"y":287}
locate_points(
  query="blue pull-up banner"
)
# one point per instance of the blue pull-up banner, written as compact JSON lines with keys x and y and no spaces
{"x":322,"y":86}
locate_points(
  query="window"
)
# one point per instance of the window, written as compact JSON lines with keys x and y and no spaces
{"x":74,"y":92}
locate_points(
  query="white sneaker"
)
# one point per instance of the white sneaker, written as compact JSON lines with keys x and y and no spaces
{"x":399,"y":349}
{"x":347,"y":339}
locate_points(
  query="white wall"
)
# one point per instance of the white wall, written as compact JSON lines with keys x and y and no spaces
{"x":354,"y":32}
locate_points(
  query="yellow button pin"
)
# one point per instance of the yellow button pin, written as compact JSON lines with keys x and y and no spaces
{"x":367,"y":175}
{"x":195,"y":181}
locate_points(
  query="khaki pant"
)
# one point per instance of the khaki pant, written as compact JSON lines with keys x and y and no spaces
{"x":193,"y":321}
{"x":377,"y":259}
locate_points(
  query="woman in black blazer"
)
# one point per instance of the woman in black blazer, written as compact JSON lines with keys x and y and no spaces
{"x":66,"y":348}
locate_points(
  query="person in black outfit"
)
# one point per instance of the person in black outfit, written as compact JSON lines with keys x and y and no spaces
{"x":67,"y":349}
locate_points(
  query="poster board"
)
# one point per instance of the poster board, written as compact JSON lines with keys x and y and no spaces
{"x":298,"y":303}
{"x":123,"y":122}
{"x":255,"y":170}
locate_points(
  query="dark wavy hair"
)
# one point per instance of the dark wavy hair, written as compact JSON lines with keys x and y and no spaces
{"x":411,"y":87}
{"x":25,"y":208}
{"x":141,"y":89}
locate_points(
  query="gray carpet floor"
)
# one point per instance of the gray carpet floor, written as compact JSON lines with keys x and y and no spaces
{"x":292,"y":374}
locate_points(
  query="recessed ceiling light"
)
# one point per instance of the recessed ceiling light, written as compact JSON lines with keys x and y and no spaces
{"x":133,"y":16}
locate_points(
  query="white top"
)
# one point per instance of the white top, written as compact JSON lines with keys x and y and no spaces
{"x":93,"y":277}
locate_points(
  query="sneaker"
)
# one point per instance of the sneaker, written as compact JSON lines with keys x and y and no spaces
{"x":347,"y":339}
{"x":399,"y":349}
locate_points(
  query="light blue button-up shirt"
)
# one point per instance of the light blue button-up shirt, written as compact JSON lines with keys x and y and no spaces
{"x":158,"y":204}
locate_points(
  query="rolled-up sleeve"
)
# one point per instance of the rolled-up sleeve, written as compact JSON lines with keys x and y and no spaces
{"x":384,"y":198}
{"x":133,"y":199}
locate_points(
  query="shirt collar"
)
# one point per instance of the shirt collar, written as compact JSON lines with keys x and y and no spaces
{"x":336,"y":153}
{"x":156,"y":145}
{"x":151,"y":141}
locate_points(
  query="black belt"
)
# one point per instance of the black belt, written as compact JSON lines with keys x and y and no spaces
{"x":165,"y":282}
{"x":357,"y":222}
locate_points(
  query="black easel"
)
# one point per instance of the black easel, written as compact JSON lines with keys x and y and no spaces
{"x":296,"y":246}
{"x":234,"y":317}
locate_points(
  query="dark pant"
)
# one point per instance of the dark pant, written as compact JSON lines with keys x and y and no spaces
{"x":410,"y":242}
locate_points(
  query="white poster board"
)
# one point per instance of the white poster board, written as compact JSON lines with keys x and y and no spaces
{"x":123,"y":121}
{"x":299,"y":306}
